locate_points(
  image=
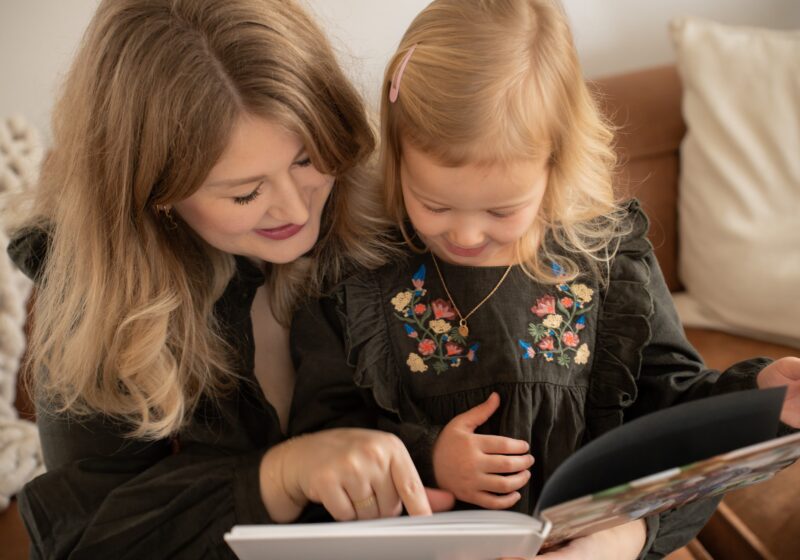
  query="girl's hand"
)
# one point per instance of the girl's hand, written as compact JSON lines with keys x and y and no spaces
{"x":785,"y":371}
{"x":624,"y":542}
{"x":353,"y":473}
{"x":480,"y":469}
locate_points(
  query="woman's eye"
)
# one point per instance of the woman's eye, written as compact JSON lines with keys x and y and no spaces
{"x":248,"y":198}
{"x":305,"y":162}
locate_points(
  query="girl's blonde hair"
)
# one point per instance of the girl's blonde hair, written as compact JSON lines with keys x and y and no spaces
{"x":497,"y":81}
{"x":124,"y":313}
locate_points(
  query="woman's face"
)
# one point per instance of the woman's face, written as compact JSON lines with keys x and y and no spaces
{"x":263,"y":199}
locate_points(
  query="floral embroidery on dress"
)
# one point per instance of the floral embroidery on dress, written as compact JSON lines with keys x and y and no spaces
{"x":557,"y":335}
{"x":440,"y":343}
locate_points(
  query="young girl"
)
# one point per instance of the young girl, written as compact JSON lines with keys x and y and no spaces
{"x":530,"y":305}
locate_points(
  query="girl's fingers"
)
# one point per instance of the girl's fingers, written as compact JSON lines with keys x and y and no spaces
{"x":487,"y":500}
{"x":502,"y":445}
{"x":478,"y":415}
{"x":503,"y":464}
{"x":504,"y":484}
{"x":440,"y":500}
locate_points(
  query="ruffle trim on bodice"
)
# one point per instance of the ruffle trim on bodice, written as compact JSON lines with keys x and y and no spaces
{"x":623,"y":329}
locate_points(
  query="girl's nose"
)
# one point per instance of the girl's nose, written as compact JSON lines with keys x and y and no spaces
{"x":467,"y":236}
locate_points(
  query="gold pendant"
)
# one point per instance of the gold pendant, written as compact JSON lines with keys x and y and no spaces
{"x":463,"y":330}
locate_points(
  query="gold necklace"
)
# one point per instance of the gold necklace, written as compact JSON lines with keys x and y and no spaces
{"x":463,"y":329}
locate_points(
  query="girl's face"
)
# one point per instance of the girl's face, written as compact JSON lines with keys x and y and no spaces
{"x":473,"y":214}
{"x":263,"y":199}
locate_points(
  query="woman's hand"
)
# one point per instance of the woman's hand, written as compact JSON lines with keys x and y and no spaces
{"x":479,"y":469}
{"x":624,"y":542}
{"x":353,"y":473}
{"x":785,"y":371}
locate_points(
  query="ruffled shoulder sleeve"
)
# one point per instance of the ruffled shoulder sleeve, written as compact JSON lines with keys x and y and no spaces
{"x":366,"y":339}
{"x":346,"y":370}
{"x":623,"y":328}
{"x":342,"y":359}
{"x":644,"y":362}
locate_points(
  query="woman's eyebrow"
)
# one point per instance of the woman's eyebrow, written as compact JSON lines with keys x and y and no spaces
{"x":235,"y":182}
{"x":245,"y":180}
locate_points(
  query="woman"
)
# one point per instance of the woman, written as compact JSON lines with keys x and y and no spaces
{"x":208,"y":170}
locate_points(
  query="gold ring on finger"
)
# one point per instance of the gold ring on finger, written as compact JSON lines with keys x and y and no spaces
{"x":365,"y":503}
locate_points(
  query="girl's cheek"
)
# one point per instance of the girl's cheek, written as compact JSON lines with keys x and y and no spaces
{"x":419,"y":220}
{"x":515,"y":230}
{"x":432,"y":225}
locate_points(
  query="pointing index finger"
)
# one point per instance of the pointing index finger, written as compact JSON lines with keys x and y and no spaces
{"x":409,"y":485}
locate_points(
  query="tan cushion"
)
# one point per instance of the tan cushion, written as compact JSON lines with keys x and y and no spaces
{"x":739,"y":192}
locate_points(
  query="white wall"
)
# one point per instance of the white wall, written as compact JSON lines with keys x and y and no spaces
{"x":38,"y":37}
{"x":37,"y":41}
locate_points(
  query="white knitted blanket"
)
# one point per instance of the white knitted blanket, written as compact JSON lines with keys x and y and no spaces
{"x":20,"y":451}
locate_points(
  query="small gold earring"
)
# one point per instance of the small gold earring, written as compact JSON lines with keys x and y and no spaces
{"x":167,"y":212}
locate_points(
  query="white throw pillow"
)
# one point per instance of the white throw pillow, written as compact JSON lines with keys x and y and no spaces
{"x":739,"y":202}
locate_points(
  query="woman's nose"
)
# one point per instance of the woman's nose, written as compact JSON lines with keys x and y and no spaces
{"x":288,"y":204}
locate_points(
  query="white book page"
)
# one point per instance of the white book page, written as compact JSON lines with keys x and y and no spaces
{"x":460,"y":535}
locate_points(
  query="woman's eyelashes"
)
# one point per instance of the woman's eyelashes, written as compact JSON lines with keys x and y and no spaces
{"x":247,"y":199}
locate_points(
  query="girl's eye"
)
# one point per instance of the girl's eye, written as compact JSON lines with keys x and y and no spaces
{"x":437,"y":210}
{"x":500,"y":214}
{"x":303,"y":162}
{"x":248,"y":198}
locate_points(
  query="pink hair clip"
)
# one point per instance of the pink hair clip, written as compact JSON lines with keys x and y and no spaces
{"x":394,"y":90}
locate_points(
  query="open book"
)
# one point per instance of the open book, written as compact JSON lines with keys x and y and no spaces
{"x":657,"y":462}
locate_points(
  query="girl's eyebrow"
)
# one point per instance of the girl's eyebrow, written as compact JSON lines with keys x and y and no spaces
{"x":431,"y":201}
{"x":424,"y":197}
{"x":245,"y":180}
{"x":511,"y":206}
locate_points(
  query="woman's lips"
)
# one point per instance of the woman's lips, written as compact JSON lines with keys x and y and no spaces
{"x":280,"y":233}
{"x":462,"y":252}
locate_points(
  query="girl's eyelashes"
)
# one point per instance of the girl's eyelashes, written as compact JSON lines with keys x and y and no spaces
{"x":490,"y":212}
{"x":247,"y":199}
{"x":500,"y":214}
{"x":305,"y":162}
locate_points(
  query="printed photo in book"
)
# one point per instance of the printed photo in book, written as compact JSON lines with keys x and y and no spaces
{"x":655,"y":463}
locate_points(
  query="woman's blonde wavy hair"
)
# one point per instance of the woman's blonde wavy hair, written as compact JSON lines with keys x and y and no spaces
{"x":124,"y":313}
{"x":496,"y":81}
